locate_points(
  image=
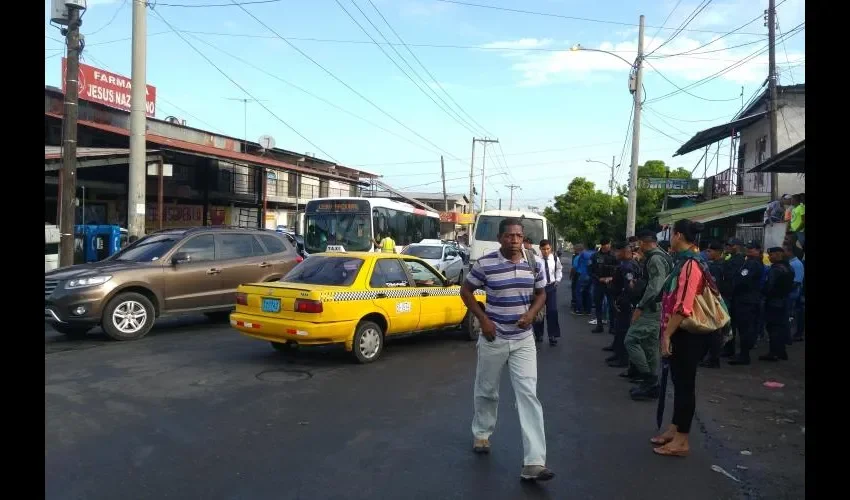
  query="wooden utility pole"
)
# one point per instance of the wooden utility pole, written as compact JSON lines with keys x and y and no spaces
{"x":68,"y":179}
{"x":511,"y":202}
{"x":443,"y":174}
{"x":631,"y":211}
{"x":771,"y":88}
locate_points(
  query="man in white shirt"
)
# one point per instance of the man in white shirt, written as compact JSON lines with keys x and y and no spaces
{"x":552,"y":271}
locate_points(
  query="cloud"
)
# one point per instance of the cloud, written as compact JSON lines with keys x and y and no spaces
{"x":522,"y":43}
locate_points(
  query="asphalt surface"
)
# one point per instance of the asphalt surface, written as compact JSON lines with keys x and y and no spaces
{"x":195,"y":410}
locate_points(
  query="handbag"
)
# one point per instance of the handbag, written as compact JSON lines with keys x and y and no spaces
{"x":710,"y":313}
{"x":529,"y":256}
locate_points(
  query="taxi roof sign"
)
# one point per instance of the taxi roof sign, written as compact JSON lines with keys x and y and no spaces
{"x":335,"y":248}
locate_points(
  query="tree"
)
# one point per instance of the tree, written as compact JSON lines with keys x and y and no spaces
{"x":585,"y":214}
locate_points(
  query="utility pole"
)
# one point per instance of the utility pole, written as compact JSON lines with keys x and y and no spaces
{"x":611,"y":187}
{"x":443,"y":174}
{"x":68,"y":193}
{"x":138,"y":122}
{"x":471,"y":174}
{"x":484,"y":141}
{"x":512,"y":187}
{"x":631,"y":213}
{"x":771,"y":88}
{"x":483,"y":164}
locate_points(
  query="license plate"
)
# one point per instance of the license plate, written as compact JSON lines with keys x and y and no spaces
{"x":271,"y":305}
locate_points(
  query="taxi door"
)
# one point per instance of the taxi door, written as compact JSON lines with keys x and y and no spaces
{"x":441,"y":304}
{"x":394,"y":295}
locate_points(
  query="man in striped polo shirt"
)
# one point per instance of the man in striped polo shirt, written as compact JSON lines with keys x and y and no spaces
{"x":515,"y":294}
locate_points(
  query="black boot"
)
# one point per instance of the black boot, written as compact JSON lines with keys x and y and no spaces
{"x":648,"y":391}
{"x":608,"y":348}
{"x":617,"y":362}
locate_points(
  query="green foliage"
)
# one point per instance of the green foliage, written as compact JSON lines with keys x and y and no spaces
{"x":585,"y":214}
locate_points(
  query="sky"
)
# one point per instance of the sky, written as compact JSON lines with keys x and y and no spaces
{"x":479,"y":72}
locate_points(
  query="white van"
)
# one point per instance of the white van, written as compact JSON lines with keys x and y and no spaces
{"x":51,"y":247}
{"x":485,"y":238}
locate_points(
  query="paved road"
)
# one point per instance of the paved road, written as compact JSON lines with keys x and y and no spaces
{"x":197,"y":411}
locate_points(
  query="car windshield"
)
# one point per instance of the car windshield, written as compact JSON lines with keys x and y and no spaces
{"x":322,"y":270}
{"x":147,"y":249}
{"x":352,"y":231}
{"x":487,"y":228}
{"x":425,"y":252}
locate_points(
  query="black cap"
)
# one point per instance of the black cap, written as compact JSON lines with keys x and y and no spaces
{"x":753,"y":244}
{"x":735,"y":242}
{"x":775,"y":249}
{"x":647,"y":234}
{"x":620,"y":245}
{"x":715,"y":245}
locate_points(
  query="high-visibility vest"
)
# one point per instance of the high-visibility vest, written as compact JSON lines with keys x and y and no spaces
{"x":387,"y":245}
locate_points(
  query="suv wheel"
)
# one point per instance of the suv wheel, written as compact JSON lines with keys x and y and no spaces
{"x":368,"y":342}
{"x":128,"y":316}
{"x":72,"y":332}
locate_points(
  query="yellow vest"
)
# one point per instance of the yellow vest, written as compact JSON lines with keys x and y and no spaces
{"x":387,"y":245}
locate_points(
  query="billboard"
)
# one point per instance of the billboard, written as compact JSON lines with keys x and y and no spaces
{"x":109,"y":89}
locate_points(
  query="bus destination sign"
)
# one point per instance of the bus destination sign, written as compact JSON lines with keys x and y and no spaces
{"x":340,"y":206}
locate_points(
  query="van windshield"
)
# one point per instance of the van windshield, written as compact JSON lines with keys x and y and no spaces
{"x":487,"y":228}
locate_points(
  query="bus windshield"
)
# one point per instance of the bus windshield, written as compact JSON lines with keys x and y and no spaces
{"x":487,"y":228}
{"x":353,"y":231}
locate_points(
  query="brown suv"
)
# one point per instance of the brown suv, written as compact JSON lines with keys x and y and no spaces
{"x":167,"y":272}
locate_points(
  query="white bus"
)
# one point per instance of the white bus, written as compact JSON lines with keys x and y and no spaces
{"x":485,"y":238}
{"x":355,"y":223}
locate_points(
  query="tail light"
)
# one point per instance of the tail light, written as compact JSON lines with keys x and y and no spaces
{"x":299,"y":259}
{"x":308,"y":306}
{"x":241,"y":299}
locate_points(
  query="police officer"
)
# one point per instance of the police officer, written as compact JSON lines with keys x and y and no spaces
{"x":714,"y":251}
{"x":746,"y":296}
{"x":602,"y":269}
{"x":624,"y":300}
{"x":777,"y":289}
{"x":734,"y":261}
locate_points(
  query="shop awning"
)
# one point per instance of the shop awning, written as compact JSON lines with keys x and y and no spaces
{"x":94,"y":157}
{"x":789,"y":161}
{"x":714,"y":134}
{"x":210,"y":151}
{"x":720,"y":208}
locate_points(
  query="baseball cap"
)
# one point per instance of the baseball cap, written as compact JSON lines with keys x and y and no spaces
{"x":647,"y":234}
{"x":619,"y":245}
{"x":735,"y":242}
{"x":753,"y":244}
{"x":775,"y":250}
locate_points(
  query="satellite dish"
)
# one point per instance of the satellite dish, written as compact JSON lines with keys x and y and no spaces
{"x":266,"y":141}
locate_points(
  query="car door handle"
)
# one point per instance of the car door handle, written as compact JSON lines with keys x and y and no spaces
{"x":214,"y":271}
{"x":265,"y":264}
{"x":425,"y":294}
{"x":380,"y":296}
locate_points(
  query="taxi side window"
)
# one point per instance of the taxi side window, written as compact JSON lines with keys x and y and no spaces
{"x":388,"y":273}
{"x":422,"y":276}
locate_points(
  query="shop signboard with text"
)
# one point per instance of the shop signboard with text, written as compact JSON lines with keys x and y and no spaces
{"x":109,"y":89}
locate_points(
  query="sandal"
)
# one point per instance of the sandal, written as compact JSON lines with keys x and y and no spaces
{"x":667,"y":452}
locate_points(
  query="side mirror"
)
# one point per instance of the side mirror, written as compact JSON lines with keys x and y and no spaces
{"x":181,"y":258}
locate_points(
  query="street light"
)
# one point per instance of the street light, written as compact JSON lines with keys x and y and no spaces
{"x":577,"y":47}
{"x":612,"y":167}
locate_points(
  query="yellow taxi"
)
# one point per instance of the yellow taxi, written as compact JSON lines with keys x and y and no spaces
{"x":357,"y":299}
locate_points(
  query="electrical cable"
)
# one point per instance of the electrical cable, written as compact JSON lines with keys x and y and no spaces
{"x":664,"y":23}
{"x":685,"y":91}
{"x":112,"y":20}
{"x":688,"y":20}
{"x":202,"y":5}
{"x":244,"y":90}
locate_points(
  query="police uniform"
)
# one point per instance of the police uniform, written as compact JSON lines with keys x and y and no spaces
{"x":746,"y":297}
{"x":777,"y":288}
{"x":715,"y":268}
{"x":624,"y":300}
{"x":603,"y":265}
{"x":730,"y":268}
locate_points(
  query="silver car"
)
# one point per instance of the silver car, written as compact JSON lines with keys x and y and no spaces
{"x":444,"y":258}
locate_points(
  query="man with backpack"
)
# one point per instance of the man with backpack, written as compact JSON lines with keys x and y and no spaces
{"x":642,"y":336}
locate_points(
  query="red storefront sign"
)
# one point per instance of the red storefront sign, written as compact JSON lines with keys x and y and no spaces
{"x":448,"y":216}
{"x":109,"y":89}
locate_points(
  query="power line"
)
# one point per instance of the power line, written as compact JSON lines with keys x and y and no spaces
{"x":314,"y":96}
{"x":443,"y":109}
{"x":688,"y":20}
{"x":428,"y":72}
{"x":685,"y":91}
{"x":205,"y":5}
{"x":668,"y":124}
{"x":574,"y":18}
{"x":727,"y":69}
{"x":784,"y":48}
{"x":664,"y":24}
{"x":651,"y":127}
{"x":112,"y":20}
{"x":243,"y":89}
{"x":342,"y":82}
{"x":687,"y":121}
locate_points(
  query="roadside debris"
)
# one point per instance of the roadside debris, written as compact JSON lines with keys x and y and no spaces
{"x":746,"y":453}
{"x":771,"y":384}
{"x":717,"y":468}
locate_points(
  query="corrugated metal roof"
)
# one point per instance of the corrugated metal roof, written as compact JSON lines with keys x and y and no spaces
{"x":720,"y":208}
{"x":799,"y":88}
{"x":714,"y":134}
{"x":223,"y":154}
{"x":789,"y":161}
{"x":55,"y":152}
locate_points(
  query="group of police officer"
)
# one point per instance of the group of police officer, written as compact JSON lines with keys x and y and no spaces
{"x":630,"y":274}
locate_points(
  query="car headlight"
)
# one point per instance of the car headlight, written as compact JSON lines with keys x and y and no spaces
{"x":86,"y":282}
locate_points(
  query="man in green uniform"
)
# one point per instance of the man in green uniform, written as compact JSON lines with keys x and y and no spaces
{"x":642,"y":337}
